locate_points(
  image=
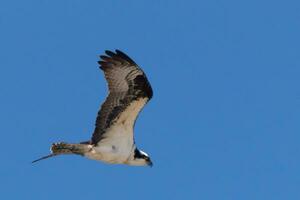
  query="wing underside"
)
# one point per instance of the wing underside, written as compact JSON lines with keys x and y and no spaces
{"x":129,"y":91}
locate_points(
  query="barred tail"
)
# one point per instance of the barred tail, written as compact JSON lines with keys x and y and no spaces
{"x":64,"y":148}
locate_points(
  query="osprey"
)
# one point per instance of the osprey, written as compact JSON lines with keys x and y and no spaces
{"x":113,"y":140}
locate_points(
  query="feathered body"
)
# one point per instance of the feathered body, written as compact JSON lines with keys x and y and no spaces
{"x":113,"y":137}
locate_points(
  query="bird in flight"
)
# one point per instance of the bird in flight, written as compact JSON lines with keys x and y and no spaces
{"x":113,"y":139}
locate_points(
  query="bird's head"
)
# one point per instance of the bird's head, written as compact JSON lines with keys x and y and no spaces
{"x":140,"y":158}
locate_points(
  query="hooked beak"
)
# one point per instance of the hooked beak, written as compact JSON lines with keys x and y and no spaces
{"x":150,"y":164}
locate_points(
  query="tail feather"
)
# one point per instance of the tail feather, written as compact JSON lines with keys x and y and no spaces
{"x":64,"y":148}
{"x":57,"y":149}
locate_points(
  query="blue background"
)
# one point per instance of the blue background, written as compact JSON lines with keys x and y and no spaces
{"x":224,"y":120}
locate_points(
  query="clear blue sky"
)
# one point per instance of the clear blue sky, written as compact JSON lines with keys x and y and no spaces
{"x":224,"y":120}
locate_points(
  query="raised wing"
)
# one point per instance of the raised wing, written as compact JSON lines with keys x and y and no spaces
{"x":129,"y":91}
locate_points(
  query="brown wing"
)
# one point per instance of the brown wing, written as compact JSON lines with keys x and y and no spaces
{"x":128,"y":87}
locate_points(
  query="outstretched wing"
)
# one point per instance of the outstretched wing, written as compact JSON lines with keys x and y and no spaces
{"x":129,"y":91}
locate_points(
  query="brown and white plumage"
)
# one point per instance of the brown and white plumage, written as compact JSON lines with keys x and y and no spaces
{"x":128,"y":87}
{"x":113,"y":139}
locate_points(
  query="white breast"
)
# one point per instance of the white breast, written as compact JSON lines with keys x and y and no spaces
{"x":116,"y":148}
{"x":118,"y":143}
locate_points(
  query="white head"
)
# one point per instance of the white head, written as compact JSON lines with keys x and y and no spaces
{"x":140,"y":158}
